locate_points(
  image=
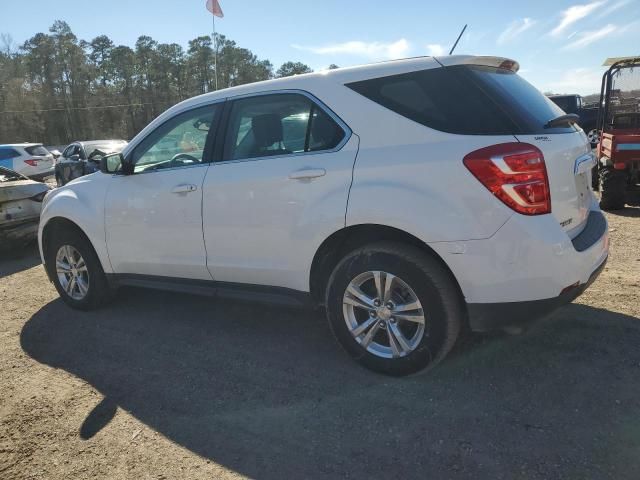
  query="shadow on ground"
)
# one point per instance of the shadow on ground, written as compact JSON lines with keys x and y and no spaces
{"x":19,"y":259}
{"x":267,"y":392}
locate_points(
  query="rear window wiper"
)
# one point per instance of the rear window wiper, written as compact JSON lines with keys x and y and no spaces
{"x":563,"y":120}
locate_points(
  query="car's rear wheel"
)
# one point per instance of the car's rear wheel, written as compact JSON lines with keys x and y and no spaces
{"x":76,"y":271}
{"x":393,"y":308}
{"x":613,"y":186}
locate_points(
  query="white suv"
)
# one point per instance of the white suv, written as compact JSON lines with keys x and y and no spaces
{"x":410,"y":198}
{"x":29,"y":159}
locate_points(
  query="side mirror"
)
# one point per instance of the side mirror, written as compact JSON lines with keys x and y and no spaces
{"x":113,"y":164}
{"x":75,"y":157}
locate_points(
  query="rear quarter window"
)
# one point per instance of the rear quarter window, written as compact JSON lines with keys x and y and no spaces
{"x":466,"y":100}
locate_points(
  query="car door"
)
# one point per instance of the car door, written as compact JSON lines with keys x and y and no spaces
{"x":278,"y":190}
{"x":67,"y":167}
{"x":153,"y":217}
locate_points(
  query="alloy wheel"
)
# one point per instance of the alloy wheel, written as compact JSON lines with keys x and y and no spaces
{"x":384,"y":314}
{"x":72,"y":272}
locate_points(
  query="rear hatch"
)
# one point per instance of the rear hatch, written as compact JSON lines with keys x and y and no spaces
{"x":40,"y":158}
{"x":566,"y":150}
{"x":489,"y":107}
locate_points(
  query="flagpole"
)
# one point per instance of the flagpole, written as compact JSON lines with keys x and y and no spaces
{"x":215,"y":50}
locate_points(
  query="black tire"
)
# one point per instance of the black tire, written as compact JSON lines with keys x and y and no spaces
{"x":98,"y":290}
{"x":595,"y":179}
{"x":431,"y":282}
{"x":613,"y":185}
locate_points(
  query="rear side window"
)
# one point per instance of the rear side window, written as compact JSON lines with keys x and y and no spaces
{"x":467,"y":100}
{"x":277,"y":125}
{"x":8,"y":153}
{"x":37,"y":150}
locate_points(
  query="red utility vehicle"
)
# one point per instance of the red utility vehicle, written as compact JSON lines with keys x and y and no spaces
{"x":618,"y":151}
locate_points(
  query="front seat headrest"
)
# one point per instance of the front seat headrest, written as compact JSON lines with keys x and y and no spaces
{"x":267,"y":129}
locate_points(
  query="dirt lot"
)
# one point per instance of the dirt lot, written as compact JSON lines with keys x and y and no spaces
{"x":167,"y":386}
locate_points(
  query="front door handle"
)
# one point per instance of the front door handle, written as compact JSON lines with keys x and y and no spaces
{"x":308,"y":174}
{"x":185,"y":188}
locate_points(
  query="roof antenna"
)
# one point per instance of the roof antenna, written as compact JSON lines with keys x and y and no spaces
{"x":459,"y":37}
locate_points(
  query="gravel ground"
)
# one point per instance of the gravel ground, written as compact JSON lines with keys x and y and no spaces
{"x":164,"y":386}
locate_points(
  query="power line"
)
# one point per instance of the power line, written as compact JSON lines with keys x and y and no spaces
{"x":62,"y":109}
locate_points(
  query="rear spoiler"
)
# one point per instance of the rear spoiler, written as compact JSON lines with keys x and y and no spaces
{"x":485,"y":61}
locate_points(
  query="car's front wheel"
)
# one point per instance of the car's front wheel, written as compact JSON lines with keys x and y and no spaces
{"x":393,"y":308}
{"x":76,"y":271}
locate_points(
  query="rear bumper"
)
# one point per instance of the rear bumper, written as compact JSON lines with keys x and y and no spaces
{"x":42,"y":175}
{"x":527,"y":269}
{"x":493,"y":316}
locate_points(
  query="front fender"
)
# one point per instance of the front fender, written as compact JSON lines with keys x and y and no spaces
{"x":81,"y":202}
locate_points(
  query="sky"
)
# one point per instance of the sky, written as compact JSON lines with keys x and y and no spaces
{"x":560,"y":44}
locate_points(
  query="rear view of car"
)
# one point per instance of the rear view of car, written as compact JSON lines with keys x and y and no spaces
{"x":29,"y":159}
{"x":519,"y":226}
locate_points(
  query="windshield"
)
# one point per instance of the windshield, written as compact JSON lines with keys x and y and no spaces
{"x":623,"y":109}
{"x":529,"y":109}
{"x":37,"y":150}
{"x":100,"y":150}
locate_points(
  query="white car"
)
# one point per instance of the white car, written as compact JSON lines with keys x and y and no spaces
{"x":410,"y":198}
{"x":29,"y":159}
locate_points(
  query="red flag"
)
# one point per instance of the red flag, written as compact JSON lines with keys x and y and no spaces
{"x":214,"y":7}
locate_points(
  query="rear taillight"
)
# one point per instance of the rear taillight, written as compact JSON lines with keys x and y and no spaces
{"x":32,"y":162}
{"x":515,"y":173}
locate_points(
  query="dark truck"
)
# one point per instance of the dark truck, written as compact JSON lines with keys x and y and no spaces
{"x":588,"y":114}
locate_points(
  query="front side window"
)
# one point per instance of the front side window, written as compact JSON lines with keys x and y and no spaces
{"x":67,"y":151}
{"x":71,"y":151}
{"x":179,"y":142}
{"x":279,"y":124}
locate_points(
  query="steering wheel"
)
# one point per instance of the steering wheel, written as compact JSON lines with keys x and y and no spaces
{"x":185,"y":156}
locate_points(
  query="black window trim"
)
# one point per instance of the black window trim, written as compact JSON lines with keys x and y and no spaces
{"x":221,"y":137}
{"x":208,"y":154}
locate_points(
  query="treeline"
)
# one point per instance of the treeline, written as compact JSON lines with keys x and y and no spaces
{"x":56,"y":88}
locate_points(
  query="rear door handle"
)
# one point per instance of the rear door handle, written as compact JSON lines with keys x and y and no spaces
{"x":308,"y":174}
{"x":185,"y":188}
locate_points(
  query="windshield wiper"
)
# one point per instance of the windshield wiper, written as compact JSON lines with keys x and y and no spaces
{"x":563,"y":120}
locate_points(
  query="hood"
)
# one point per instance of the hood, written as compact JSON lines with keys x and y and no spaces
{"x":20,"y":189}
